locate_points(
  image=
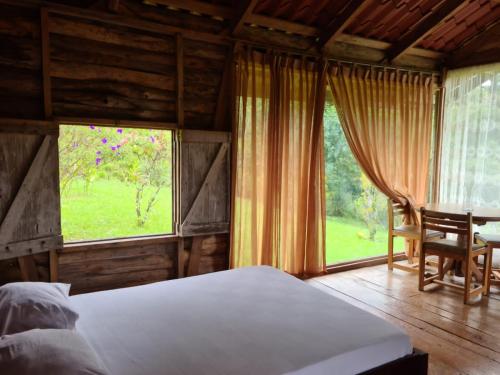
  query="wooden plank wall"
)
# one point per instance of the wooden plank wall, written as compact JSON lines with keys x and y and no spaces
{"x":95,"y":69}
{"x":20,"y":63}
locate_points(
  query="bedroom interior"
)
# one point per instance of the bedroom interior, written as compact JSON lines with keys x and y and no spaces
{"x":249,"y":187}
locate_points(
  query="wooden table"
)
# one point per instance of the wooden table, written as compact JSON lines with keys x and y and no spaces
{"x":480,"y":216}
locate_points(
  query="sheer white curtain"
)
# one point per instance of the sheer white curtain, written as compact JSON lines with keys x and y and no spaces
{"x":470,"y":161}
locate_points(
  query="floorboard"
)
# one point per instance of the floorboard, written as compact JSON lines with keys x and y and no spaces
{"x":460,"y":339}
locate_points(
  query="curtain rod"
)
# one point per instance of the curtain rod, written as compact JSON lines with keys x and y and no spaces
{"x":294,"y":51}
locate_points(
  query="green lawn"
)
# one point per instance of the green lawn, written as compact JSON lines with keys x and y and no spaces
{"x":107,"y":210}
{"x":347,"y":239}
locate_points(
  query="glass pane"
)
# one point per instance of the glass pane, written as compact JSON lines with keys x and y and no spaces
{"x":356,"y":225}
{"x":115,"y":182}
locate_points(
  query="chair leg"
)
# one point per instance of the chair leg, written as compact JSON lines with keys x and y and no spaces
{"x":488,"y":259}
{"x":390,"y":255}
{"x":421,"y":269}
{"x":411,"y":252}
{"x":467,"y":279}
{"x":441,"y":267}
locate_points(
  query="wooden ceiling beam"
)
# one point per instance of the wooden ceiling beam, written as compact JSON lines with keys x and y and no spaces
{"x":349,"y":13}
{"x":424,"y":28}
{"x":199,"y":7}
{"x":113,"y":5}
{"x":478,"y":50}
{"x":245,"y":9}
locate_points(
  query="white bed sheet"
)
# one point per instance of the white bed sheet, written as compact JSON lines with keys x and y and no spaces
{"x":254,"y":320}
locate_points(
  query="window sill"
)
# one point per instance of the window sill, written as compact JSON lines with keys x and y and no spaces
{"x":360,"y":263}
{"x":118,"y":242}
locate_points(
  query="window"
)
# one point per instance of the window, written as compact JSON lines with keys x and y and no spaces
{"x":115,"y":182}
{"x":470,"y":153}
{"x":356,"y":223}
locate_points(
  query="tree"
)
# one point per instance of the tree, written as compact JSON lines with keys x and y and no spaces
{"x":138,"y":157}
{"x":371,"y":206}
{"x":342,"y":172}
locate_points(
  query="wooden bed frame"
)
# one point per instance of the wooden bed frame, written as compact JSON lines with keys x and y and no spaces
{"x":413,"y":364}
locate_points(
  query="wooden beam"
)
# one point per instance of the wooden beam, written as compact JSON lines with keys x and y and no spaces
{"x":134,"y":23}
{"x":180,"y":80}
{"x":180,"y":258}
{"x":244,"y":10}
{"x":54,"y":266}
{"x":194,"y":256}
{"x":283,"y":25}
{"x":481,"y":49}
{"x":350,"y":12}
{"x":45,"y":48}
{"x":30,"y":247}
{"x":200,"y":7}
{"x":222,"y":116}
{"x":28,"y":269}
{"x":424,"y":28}
{"x":113,"y":5}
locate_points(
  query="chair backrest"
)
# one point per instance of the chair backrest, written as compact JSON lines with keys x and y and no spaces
{"x":459,"y":224}
{"x":395,"y":210}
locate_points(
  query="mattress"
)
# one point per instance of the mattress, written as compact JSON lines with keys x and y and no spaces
{"x":254,"y":320}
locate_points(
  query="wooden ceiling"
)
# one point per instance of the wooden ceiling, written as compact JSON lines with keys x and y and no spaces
{"x":435,"y":29}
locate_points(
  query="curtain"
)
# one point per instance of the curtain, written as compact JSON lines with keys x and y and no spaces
{"x":386,"y":116}
{"x":470,"y":157}
{"x":278,"y":208}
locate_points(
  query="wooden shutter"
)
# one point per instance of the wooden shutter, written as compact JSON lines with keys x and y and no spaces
{"x":204,"y":182}
{"x":29,"y":191}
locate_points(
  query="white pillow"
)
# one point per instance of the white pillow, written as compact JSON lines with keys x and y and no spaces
{"x":48,"y":351}
{"x":28,"y":305}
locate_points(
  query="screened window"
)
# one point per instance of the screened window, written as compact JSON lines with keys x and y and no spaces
{"x":115,"y":182}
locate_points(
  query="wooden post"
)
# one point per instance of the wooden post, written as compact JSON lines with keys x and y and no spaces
{"x":54,"y":265}
{"x":28,"y":268}
{"x":45,"y":46}
{"x":438,"y":139}
{"x":194,"y":257}
{"x":180,"y":80}
{"x":180,"y":258}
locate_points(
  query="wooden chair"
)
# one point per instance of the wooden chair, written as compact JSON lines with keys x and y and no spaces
{"x":492,"y":241}
{"x":462,"y":249}
{"x":396,"y":211}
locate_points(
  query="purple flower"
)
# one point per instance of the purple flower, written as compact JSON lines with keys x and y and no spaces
{"x":118,"y":146}
{"x":97,"y":161}
{"x":92,"y":127}
{"x":104,"y":140}
{"x":113,"y":148}
{"x":152,"y":139}
{"x":98,"y":152}
{"x":120,"y":131}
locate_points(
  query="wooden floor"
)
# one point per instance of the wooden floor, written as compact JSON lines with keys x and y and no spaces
{"x":460,"y":339}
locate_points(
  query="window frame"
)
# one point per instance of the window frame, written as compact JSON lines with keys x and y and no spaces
{"x":173,"y":128}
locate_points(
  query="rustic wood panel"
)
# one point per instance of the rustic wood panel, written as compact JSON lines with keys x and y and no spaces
{"x":118,"y":264}
{"x":203,"y":70}
{"x":30,"y":222}
{"x":20,"y":63}
{"x":111,"y":72}
{"x":204,"y":183}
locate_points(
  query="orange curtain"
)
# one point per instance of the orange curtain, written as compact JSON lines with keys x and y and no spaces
{"x":386,"y":116}
{"x":279,"y":205}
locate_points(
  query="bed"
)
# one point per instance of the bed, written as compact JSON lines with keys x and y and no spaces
{"x":254,"y":320}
